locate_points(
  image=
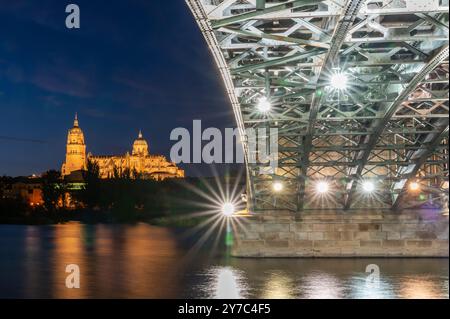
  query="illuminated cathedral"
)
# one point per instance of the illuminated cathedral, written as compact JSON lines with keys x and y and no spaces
{"x":139,"y":162}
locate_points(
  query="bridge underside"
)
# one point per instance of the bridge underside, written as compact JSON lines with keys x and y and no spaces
{"x":388,"y":125}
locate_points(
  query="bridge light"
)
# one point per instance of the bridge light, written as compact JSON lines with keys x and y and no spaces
{"x":339,"y":81}
{"x":414,"y":186}
{"x":277,"y":186}
{"x":227,"y":209}
{"x":368,"y":186}
{"x":322,"y":187}
{"x":264,"y":105}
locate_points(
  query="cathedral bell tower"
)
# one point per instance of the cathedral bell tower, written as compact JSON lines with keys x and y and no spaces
{"x":75,"y":150}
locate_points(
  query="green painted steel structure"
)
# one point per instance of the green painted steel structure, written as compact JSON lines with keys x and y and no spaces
{"x":390,"y":126}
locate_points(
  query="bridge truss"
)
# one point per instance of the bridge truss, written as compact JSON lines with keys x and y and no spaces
{"x":389,"y":125}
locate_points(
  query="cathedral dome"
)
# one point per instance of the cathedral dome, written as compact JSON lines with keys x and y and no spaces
{"x":140,"y":146}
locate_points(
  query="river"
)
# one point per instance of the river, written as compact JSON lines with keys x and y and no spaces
{"x":143,"y":261}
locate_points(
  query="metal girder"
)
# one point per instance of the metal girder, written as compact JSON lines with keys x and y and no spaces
{"x":260,"y":11}
{"x":346,"y":20}
{"x":418,"y":159}
{"x":260,"y":4}
{"x":389,"y":112}
{"x":285,"y":51}
{"x":275,"y":62}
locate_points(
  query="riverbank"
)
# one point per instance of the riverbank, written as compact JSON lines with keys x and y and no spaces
{"x":118,"y":200}
{"x":183,"y":219}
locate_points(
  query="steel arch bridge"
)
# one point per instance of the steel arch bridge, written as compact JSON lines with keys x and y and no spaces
{"x":390,"y":125}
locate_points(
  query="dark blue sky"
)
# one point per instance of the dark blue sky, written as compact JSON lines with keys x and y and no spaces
{"x":134,"y":64}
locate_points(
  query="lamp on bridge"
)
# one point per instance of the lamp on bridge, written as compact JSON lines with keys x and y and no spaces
{"x":228,"y":209}
{"x":322,"y":187}
{"x":368,"y":186}
{"x":339,"y":81}
{"x":277,"y":187}
{"x":264,"y":105}
{"x":414,"y":186}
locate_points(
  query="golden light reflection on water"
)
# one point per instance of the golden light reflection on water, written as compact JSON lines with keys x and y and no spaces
{"x":151,"y":265}
{"x":116,"y":261}
{"x":68,"y":249}
{"x":279,"y":286}
{"x":420,"y":288}
{"x":142,"y":261}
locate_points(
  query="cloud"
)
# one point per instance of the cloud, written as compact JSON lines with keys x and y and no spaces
{"x":63,"y":80}
{"x":137,"y":84}
{"x":52,"y":100}
{"x":57,"y":78}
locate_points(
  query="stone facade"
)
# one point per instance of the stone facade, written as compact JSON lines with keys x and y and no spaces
{"x":421,"y":233}
{"x":138,"y":162}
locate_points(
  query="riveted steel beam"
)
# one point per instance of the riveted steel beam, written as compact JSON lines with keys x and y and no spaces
{"x":389,"y":112}
{"x":346,"y":20}
{"x":419,"y":158}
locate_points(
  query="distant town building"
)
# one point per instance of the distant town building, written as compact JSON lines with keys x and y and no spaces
{"x":28,"y":189}
{"x":139,"y":162}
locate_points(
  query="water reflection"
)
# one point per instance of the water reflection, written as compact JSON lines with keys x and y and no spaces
{"x":362,"y":289}
{"x":142,"y":261}
{"x":69,"y":248}
{"x":278,"y":286}
{"x":420,"y":288}
{"x":322,"y":286}
{"x":32,"y":253}
{"x":228,"y":283}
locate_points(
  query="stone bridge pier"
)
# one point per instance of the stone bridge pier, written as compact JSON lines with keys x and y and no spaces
{"x":377,"y":233}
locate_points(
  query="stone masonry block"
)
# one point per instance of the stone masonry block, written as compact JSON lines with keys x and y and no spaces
{"x":277,"y":243}
{"x":393,"y":243}
{"x":276,"y":227}
{"x":393,"y":235}
{"x":323,"y":227}
{"x":325,"y":243}
{"x":315,"y":235}
{"x":369,"y":227}
{"x":419,"y":243}
{"x":361,"y":235}
{"x":332,"y":235}
{"x":370,"y":243}
{"x":301,"y":235}
{"x":302,"y":243}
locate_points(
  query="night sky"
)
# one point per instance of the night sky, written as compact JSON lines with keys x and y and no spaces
{"x":133,"y":64}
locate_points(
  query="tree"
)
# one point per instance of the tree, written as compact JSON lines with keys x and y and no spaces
{"x":53,"y":189}
{"x":90,"y":193}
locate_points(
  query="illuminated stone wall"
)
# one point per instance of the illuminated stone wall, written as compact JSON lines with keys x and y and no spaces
{"x":421,"y":233}
{"x":154,"y":166}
